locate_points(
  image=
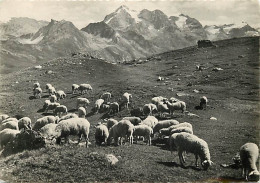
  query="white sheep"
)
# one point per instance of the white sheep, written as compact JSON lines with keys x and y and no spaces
{"x":51,"y":106}
{"x":98,"y":104}
{"x":25,"y":123}
{"x":180,"y":105}
{"x":113,"y":108}
{"x":123,"y":128}
{"x":36,"y":85}
{"x":144,"y":131}
{"x":134,"y":120}
{"x":46,"y":103}
{"x":60,"y":110}
{"x":105,"y":107}
{"x":10,"y":125}
{"x":101,"y":134}
{"x":82,"y":112}
{"x":162,"y":108}
{"x":53,"y":98}
{"x":48,"y":85}
{"x":164,"y":124}
{"x":167,"y":131}
{"x":106,"y":96}
{"x":9,"y":119}
{"x":72,"y":126}
{"x":52,"y":91}
{"x":192,"y":144}
{"x":68,"y":116}
{"x":7,"y":135}
{"x":203,"y":102}
{"x":156,"y":100}
{"x":150,"y":121}
{"x":82,"y":102}
{"x":60,"y":94}
{"x":74,"y":88}
{"x":173,"y":100}
{"x":3,"y":117}
{"x":249,"y":153}
{"x":83,"y":88}
{"x":149,"y":109}
{"x":37,"y":92}
{"x":111,"y":122}
{"x":41,"y":122}
{"x":182,"y":129}
{"x":126,"y":99}
{"x":48,"y":131}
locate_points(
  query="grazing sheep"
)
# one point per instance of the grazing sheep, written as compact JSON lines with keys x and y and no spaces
{"x":180,"y":105}
{"x":46,"y":103}
{"x":105,"y":107}
{"x":83,"y":88}
{"x":82,"y":112}
{"x":10,"y":125}
{"x":53,"y":98}
{"x":149,"y":109}
{"x":113,"y":108}
{"x":167,"y":131}
{"x":157,"y":100}
{"x":162,"y":108}
{"x":82,"y":102}
{"x":150,"y":121}
{"x":144,"y":131}
{"x":47,"y":86}
{"x":101,"y":134}
{"x":106,"y":96}
{"x":181,"y":129}
{"x":60,"y":94}
{"x":111,"y":122}
{"x":48,"y":131}
{"x":41,"y":122}
{"x":126,"y":99}
{"x":60,"y":110}
{"x":203,"y":102}
{"x":9,"y":119}
{"x":134,"y":120}
{"x":98,"y":104}
{"x":123,"y":128}
{"x":37,"y":92}
{"x":173,"y":100}
{"x":36,"y":85}
{"x":193,"y":144}
{"x":249,"y":153}
{"x":74,"y":88}
{"x":7,"y":135}
{"x":137,"y":112}
{"x":68,"y":116}
{"x":24,"y":123}
{"x":72,"y":126}
{"x":3,"y":117}
{"x":52,"y":91}
{"x":164,"y":124}
{"x":51,"y":106}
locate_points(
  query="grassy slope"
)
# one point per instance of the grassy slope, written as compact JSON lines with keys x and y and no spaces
{"x":233,"y":100}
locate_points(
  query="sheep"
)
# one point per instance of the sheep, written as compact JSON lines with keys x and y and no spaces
{"x":148,"y":109}
{"x":74,"y":88}
{"x":60,"y":94}
{"x":101,"y":134}
{"x":84,"y":88}
{"x":10,"y":125}
{"x":126,"y":99}
{"x":134,"y":120}
{"x":113,"y":108}
{"x":51,"y":106}
{"x":68,"y":116}
{"x":46,"y":103}
{"x":53,"y":98}
{"x":111,"y":122}
{"x":36,"y":85}
{"x":181,"y":129}
{"x":167,"y":131}
{"x":137,"y":112}
{"x":203,"y":102}
{"x":123,"y":128}
{"x":193,"y":144}
{"x":161,"y":107}
{"x":61,"y":109}
{"x":98,"y":104}
{"x":9,"y":119}
{"x":41,"y":122}
{"x":37,"y":92}
{"x":173,"y":100}
{"x":82,"y":102}
{"x":82,"y":112}
{"x":144,"y":131}
{"x":156,"y":100}
{"x":48,"y":131}
{"x":150,"y":121}
{"x":106,"y":96}
{"x":105,"y":107}
{"x":7,"y":135}
{"x":48,"y":85}
{"x":164,"y":124}
{"x":25,"y":123}
{"x":249,"y":153}
{"x":52,"y":91}
{"x":180,"y":105}
{"x":3,"y":117}
{"x":72,"y":126}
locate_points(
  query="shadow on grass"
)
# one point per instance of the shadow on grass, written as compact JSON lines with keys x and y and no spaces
{"x":174,"y":164}
{"x":40,"y":110}
{"x":75,"y":95}
{"x":45,"y":96}
{"x":72,"y":110}
{"x":231,"y":179}
{"x":32,"y":97}
{"x":47,"y":114}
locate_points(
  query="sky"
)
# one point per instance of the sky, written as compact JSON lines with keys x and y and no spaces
{"x":83,"y":12}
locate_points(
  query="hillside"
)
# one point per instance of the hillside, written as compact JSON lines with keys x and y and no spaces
{"x":233,"y":95}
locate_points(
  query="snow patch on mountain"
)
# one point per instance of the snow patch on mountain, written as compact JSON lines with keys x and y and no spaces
{"x":181,"y":22}
{"x":31,"y":41}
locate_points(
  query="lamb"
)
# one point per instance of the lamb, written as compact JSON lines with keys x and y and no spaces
{"x":68,"y":116}
{"x":61,"y":109}
{"x":51,"y":106}
{"x":123,"y":128}
{"x":134,"y":120}
{"x":249,"y":153}
{"x":82,"y":112}
{"x":74,"y":88}
{"x":41,"y":122}
{"x":126,"y":99}
{"x":3,"y":117}
{"x":167,"y":131}
{"x":36,"y":85}
{"x":25,"y":123}
{"x":113,"y":108}
{"x":180,"y":105}
{"x":72,"y":126}
{"x":10,"y":125}
{"x":164,"y":124}
{"x":137,"y":112}
{"x":106,"y":96}
{"x":48,"y":85}
{"x":60,"y":94}
{"x":144,"y":131}
{"x":111,"y":122}
{"x":46,"y":103}
{"x":37,"y":92}
{"x":149,"y":109}
{"x":181,"y":129}
{"x":83,"y":88}
{"x":53,"y":98}
{"x":203,"y":102}
{"x":193,"y":144}
{"x":150,"y":121}
{"x":98,"y":104}
{"x":52,"y":91}
{"x":101,"y":134}
{"x":7,"y":135}
{"x":82,"y":102}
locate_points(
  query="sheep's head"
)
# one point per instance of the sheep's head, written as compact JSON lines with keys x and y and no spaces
{"x":206,"y":164}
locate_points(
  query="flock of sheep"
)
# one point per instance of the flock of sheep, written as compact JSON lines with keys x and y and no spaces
{"x":63,"y":124}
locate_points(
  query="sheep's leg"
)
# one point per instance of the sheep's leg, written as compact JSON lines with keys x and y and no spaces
{"x":181,"y":158}
{"x":80,"y":137}
{"x":149,"y":140}
{"x":86,"y":137}
{"x":196,"y":160}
